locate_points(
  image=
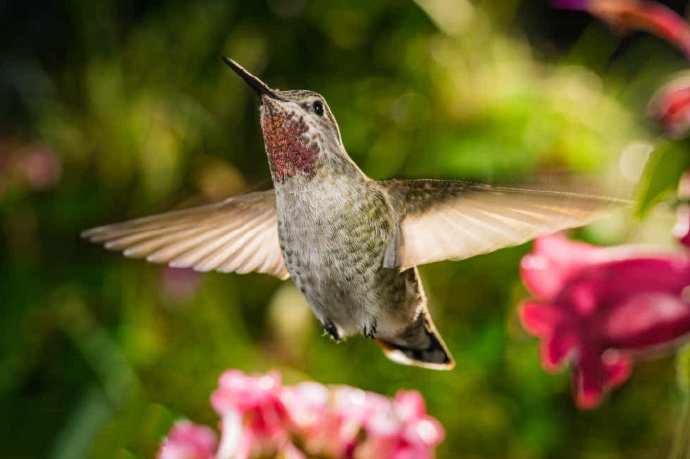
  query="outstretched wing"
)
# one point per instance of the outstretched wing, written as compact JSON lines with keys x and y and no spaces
{"x":238,"y":235}
{"x":453,"y":220}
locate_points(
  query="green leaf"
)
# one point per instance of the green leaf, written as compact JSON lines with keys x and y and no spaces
{"x":665,"y":167}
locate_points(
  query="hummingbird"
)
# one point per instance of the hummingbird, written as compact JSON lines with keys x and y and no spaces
{"x":351,"y":244}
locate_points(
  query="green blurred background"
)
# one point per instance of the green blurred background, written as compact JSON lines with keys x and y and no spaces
{"x":115,"y":109}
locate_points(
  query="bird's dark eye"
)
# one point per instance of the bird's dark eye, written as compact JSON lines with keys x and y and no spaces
{"x":318,"y":108}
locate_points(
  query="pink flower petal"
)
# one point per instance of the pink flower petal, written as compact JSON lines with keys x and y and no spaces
{"x":589,"y":382}
{"x":670,"y":107}
{"x":595,"y":376}
{"x":553,"y":260}
{"x":681,"y":230}
{"x":617,"y":367}
{"x":556,"y":349}
{"x":383,"y":432}
{"x":426,"y":432}
{"x":233,"y":441}
{"x":187,"y":440}
{"x":409,"y":404}
{"x":382,"y":424}
{"x":306,"y":405}
{"x":636,"y":14}
{"x":411,"y":452}
{"x":583,"y":296}
{"x":241,"y":392}
{"x":348,"y":410}
{"x":539,"y":319}
{"x":256,"y":399}
{"x":290,"y":451}
{"x":648,"y":320}
{"x":667,"y":273}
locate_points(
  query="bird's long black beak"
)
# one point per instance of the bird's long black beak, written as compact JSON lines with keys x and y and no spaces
{"x":255,"y":83}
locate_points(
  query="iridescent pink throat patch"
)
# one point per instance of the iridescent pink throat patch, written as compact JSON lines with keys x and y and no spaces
{"x":290,"y":151}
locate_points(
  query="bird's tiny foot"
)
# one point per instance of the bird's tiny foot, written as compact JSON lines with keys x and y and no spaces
{"x":330,"y":328}
{"x":370,"y":329}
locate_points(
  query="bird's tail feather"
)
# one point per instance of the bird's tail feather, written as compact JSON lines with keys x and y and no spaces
{"x":420,"y":345}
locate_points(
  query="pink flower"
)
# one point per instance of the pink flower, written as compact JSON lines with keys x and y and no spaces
{"x":290,"y":451}
{"x":420,"y":428}
{"x":306,"y":405}
{"x":670,"y":107}
{"x":401,"y":430}
{"x":254,"y":417}
{"x":682,"y":228}
{"x":420,"y":432}
{"x":187,"y":440}
{"x":599,"y":307}
{"x":263,"y":418}
{"x":347,"y":410}
{"x":331,"y":422}
{"x":637,"y":14}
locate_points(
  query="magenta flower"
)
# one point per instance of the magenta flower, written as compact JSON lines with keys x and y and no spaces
{"x":652,"y":17}
{"x":401,"y":430}
{"x":332,"y":422}
{"x":350,"y":409}
{"x":306,"y":405}
{"x":253,"y":415}
{"x":187,"y":440}
{"x":262,"y":418}
{"x":670,"y":107}
{"x":682,"y":228}
{"x":597,"y":308}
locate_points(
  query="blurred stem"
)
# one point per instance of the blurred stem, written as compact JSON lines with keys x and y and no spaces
{"x":681,"y":441}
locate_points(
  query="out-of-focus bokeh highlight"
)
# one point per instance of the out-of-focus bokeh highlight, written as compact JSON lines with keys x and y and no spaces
{"x":114,"y":109}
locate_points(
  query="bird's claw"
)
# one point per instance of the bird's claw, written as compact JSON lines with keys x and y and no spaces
{"x":330,"y":328}
{"x":370,"y":329}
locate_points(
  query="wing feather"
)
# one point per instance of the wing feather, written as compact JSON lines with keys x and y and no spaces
{"x":239,"y":234}
{"x":454,"y":220}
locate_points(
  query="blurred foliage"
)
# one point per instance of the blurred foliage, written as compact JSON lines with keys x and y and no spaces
{"x":680,"y":441}
{"x":662,"y":174}
{"x":115,"y":109}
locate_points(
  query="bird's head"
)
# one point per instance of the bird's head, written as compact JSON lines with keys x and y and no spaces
{"x":300,"y":133}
